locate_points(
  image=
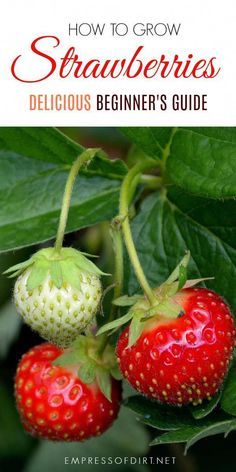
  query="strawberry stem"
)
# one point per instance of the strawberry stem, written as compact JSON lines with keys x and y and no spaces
{"x":151,"y":182}
{"x":119,"y":265}
{"x":86,"y":156}
{"x":118,"y":275}
{"x":128,"y":188}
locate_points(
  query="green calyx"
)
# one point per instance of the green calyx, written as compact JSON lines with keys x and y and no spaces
{"x":165,"y":307}
{"x":92,"y":365}
{"x":66,"y":266}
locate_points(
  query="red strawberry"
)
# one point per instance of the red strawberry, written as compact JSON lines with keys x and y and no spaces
{"x":55,"y":404}
{"x":182,"y":360}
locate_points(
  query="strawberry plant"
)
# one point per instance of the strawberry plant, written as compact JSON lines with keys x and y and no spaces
{"x":155,"y":311}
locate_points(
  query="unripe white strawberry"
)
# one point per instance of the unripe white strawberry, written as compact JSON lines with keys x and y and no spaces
{"x":57,"y":294}
{"x":57,"y":314}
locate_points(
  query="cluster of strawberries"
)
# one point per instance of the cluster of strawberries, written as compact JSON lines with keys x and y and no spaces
{"x":68,"y":389}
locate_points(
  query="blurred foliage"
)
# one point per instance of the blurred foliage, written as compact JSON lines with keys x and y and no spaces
{"x":115,"y":442}
{"x":9,"y":327}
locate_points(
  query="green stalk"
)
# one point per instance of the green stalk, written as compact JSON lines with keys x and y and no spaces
{"x":126,"y":189}
{"x":118,"y":277}
{"x":119,"y":268}
{"x":86,"y":156}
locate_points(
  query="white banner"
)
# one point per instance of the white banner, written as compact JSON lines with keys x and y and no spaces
{"x":125,"y":63}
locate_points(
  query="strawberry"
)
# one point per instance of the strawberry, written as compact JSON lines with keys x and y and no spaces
{"x":55,"y":404}
{"x":182,"y":360}
{"x":57,"y":293}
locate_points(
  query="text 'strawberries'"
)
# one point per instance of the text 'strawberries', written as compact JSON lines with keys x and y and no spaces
{"x":55,"y":404}
{"x":57,"y":293}
{"x":182,"y":360}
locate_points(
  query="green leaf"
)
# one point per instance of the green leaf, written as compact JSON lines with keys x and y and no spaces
{"x":52,"y":146}
{"x":37,"y":275}
{"x":45,"y":144}
{"x":159,"y":416}
{"x":192,"y":434}
{"x":87,"y":372}
{"x":179,"y":436}
{"x":199,"y":160}
{"x":207,"y":407}
{"x":218,"y":216}
{"x":228,"y":400}
{"x":31,"y":200}
{"x":115,"y":442}
{"x":216,"y":428}
{"x":10,"y":323}
{"x":204,"y":163}
{"x":135,"y":329}
{"x":126,"y":301}
{"x":151,"y":140}
{"x":165,"y":227}
{"x":115,"y":324}
{"x":104,"y":381}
